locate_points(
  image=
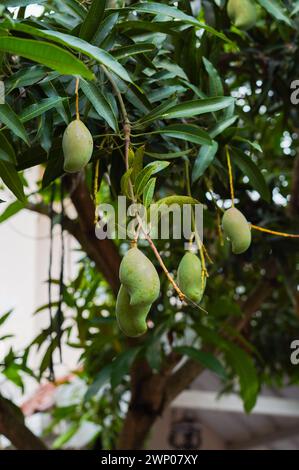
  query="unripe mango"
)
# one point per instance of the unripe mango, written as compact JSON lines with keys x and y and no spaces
{"x":77,"y":145}
{"x":131,"y":319}
{"x":190,"y":277}
{"x":237,"y":229}
{"x":139,"y":276}
{"x":243,"y":13}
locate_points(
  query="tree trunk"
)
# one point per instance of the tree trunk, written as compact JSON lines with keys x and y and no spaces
{"x":12,"y":426}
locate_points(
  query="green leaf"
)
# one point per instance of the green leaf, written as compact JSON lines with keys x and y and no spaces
{"x":121,"y":365}
{"x":65,"y":437}
{"x":5,"y":317}
{"x":79,"y":45}
{"x":7,"y":152}
{"x":203,"y":160}
{"x":208,"y":360}
{"x":137,"y":163}
{"x":20,"y":3}
{"x":101,"y":379}
{"x":216,"y":88}
{"x":12,"y":372}
{"x":191,"y":108}
{"x":188,"y":132}
{"x":244,"y":367}
{"x":92,"y":20}
{"x":125,"y":183}
{"x":9,"y":118}
{"x":128,"y":51}
{"x":168,"y":156}
{"x":275,"y":8}
{"x":11,"y":210}
{"x":172,"y":12}
{"x":100,"y":103}
{"x":148,"y":192}
{"x":27,"y":77}
{"x":54,"y":170}
{"x":104,"y":28}
{"x":11,"y":178}
{"x":146,"y":173}
{"x":254,"y":145}
{"x":250,"y":169}
{"x":221,"y":126}
{"x":45,"y":53}
{"x":39,"y":108}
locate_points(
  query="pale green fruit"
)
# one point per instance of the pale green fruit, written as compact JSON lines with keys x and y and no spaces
{"x":138,"y":274}
{"x":243,"y":13}
{"x":237,"y":229}
{"x":77,"y":145}
{"x":190,"y":277}
{"x":131,"y":319}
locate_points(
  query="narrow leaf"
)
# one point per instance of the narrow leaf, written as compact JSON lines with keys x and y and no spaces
{"x":92,"y":20}
{"x":39,"y":108}
{"x":99,"y":102}
{"x":188,"y":132}
{"x":45,"y":53}
{"x":9,"y":118}
{"x":148,"y":192}
{"x":275,"y":8}
{"x":11,"y":178}
{"x":252,"y":171}
{"x":7,"y":152}
{"x":216,"y":88}
{"x":11,"y":210}
{"x":208,"y":360}
{"x":204,"y":158}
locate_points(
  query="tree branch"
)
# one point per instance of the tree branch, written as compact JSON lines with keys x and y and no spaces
{"x":12,"y":426}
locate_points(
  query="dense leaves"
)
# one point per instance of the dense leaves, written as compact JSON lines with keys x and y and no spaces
{"x":192,"y":85}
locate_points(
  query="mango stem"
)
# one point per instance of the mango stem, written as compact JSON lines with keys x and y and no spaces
{"x":273,"y":232}
{"x":77,"y":99}
{"x":230,"y":173}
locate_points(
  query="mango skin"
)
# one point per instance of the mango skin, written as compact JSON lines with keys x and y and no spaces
{"x":139,"y":276}
{"x":189,"y":277}
{"x":237,"y":229}
{"x":243,"y":13}
{"x":77,"y":146}
{"x":131,"y":319}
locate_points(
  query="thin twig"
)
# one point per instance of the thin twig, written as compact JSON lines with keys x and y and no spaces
{"x":126,"y":124}
{"x":273,"y":232}
{"x":230,"y":173}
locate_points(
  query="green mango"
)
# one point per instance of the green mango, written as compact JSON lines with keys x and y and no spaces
{"x":189,"y":277}
{"x":139,"y":276}
{"x":243,"y":13}
{"x":77,"y":145}
{"x":131,"y":319}
{"x":237,"y":229}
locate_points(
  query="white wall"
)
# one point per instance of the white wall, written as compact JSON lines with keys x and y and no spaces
{"x":24,"y":264}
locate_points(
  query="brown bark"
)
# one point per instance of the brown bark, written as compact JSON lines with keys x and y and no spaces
{"x":12,"y":426}
{"x":103,"y":252}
